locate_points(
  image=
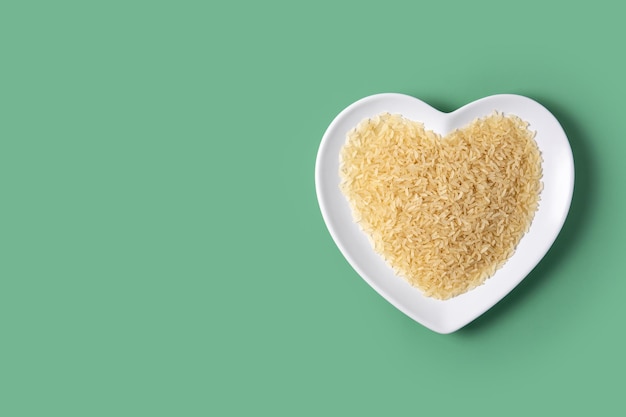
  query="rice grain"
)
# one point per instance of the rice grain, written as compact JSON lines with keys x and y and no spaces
{"x":445,"y":213}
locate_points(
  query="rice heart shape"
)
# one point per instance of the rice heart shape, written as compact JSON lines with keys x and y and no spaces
{"x":444,"y":212}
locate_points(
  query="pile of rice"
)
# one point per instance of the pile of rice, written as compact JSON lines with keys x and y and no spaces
{"x":445,"y":213}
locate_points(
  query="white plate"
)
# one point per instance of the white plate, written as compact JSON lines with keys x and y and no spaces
{"x":449,"y":315}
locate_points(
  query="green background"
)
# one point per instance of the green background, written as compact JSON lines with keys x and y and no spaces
{"x":162,"y":251}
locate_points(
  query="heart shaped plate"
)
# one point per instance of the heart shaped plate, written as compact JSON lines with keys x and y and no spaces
{"x":449,"y":315}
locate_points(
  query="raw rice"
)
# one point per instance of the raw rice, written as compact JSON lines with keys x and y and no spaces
{"x":445,"y":213}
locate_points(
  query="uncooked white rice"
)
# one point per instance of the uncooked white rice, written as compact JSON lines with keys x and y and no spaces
{"x":445,"y":213}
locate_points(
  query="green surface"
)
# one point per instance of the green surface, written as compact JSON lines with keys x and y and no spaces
{"x":162,"y":249}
